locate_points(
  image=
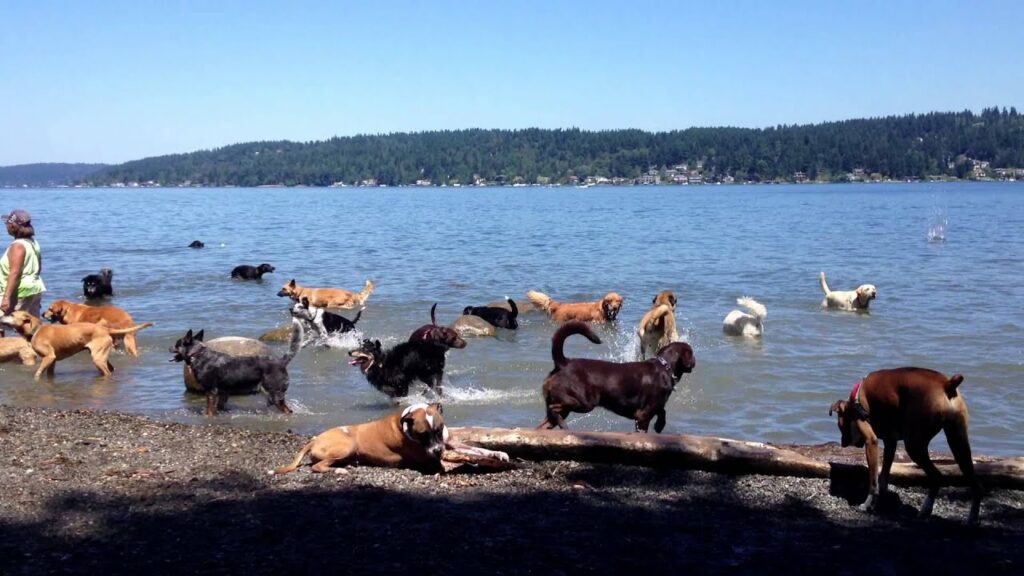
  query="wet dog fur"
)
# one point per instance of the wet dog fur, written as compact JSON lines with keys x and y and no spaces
{"x":247,"y":272}
{"x":393,"y":371}
{"x":96,"y":286}
{"x":635,"y":390}
{"x":220,"y":375}
{"x":499,"y":317}
{"x":604,"y":310}
{"x":323,"y":322}
{"x":658,"y":326}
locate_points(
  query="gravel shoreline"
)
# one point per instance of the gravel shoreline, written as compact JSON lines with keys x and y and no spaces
{"x":87,"y":492}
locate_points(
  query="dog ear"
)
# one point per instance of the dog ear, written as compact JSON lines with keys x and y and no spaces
{"x":188,"y":335}
{"x":437,"y":406}
{"x":655,"y":299}
{"x":199,"y":335}
{"x":292,"y":283}
{"x":85,"y":278}
{"x":672,"y":299}
{"x":376,"y":344}
{"x":305,"y":302}
{"x":839,"y":406}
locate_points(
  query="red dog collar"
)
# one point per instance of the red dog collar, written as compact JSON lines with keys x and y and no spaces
{"x":855,"y":401}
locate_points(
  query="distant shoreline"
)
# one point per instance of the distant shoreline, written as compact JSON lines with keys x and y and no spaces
{"x":603,"y":185}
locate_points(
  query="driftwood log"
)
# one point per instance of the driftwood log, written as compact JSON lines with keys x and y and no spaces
{"x":233,"y":345}
{"x":725,"y":456}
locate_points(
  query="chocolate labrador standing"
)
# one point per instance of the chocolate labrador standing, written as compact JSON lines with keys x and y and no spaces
{"x":637,"y":390}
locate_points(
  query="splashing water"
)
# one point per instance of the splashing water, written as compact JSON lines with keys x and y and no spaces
{"x":937,"y":223}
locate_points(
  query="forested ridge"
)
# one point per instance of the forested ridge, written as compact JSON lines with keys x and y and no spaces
{"x":897,"y":147}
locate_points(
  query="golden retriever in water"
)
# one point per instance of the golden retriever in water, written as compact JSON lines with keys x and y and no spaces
{"x":658,"y":326}
{"x":67,"y":312}
{"x":858,"y":299}
{"x":603,"y":310}
{"x":327,"y":297}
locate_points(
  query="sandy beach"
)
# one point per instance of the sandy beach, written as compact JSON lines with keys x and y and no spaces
{"x":90,"y":492}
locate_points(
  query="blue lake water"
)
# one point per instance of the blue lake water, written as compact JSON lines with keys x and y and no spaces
{"x":946,"y":258}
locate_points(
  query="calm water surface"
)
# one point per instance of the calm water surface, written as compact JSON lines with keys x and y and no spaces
{"x":947,"y":260}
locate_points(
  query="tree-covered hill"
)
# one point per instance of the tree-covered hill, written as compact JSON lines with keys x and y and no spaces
{"x":912,"y":146}
{"x":45,"y":174}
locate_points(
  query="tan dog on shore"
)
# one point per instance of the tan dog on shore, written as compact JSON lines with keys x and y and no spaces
{"x":57,"y":342}
{"x":909,"y":404}
{"x":414,"y":438}
{"x":657,"y":328}
{"x":603,"y":310}
{"x":67,"y":312}
{"x":17,"y":347}
{"x":327,"y":297}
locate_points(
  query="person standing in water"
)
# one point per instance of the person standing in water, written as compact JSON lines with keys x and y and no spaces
{"x":21,"y":286}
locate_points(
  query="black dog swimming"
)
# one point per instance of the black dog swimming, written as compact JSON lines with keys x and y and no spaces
{"x":246,"y":272}
{"x":196,"y":244}
{"x":393,"y":371}
{"x":498,"y":317}
{"x":221,"y":375}
{"x":96,"y":286}
{"x":324,"y":322}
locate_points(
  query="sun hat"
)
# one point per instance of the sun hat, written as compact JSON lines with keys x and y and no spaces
{"x":20,"y":217}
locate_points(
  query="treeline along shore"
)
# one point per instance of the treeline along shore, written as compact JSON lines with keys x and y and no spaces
{"x":962,"y":145}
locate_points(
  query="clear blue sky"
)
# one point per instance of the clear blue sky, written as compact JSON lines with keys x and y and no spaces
{"x":104,"y":81}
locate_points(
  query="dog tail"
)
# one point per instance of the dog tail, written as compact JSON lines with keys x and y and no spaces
{"x":298,"y":460}
{"x":951,"y":385}
{"x":433,"y":319}
{"x":512,"y":305}
{"x":367,"y":290}
{"x":356,"y":319}
{"x":824,"y":286}
{"x":540,"y":299}
{"x":132,"y":330}
{"x":297,"y":334}
{"x":755,"y":307}
{"x":563,"y":332}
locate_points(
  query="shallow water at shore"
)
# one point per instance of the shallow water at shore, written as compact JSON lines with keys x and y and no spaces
{"x":952,"y":304}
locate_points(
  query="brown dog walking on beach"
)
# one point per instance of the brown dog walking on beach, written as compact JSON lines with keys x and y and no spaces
{"x":913,"y":405}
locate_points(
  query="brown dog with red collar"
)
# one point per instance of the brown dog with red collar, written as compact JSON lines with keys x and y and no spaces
{"x":909,"y":404}
{"x":414,"y":438}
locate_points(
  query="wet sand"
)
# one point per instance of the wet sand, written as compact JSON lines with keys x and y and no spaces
{"x":92,"y":492}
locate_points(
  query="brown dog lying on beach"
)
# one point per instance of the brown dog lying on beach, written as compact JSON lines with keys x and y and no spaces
{"x":636,"y":390}
{"x":57,"y":342}
{"x":658,"y":326}
{"x":17,"y":347}
{"x":603,"y":310}
{"x":327,"y":297}
{"x":909,"y":404}
{"x":67,"y":312}
{"x":414,"y":438}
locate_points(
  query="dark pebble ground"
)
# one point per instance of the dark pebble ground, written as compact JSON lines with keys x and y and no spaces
{"x":109,"y":493}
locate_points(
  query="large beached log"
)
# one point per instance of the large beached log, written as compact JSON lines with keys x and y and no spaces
{"x":725,"y":455}
{"x":658,"y":450}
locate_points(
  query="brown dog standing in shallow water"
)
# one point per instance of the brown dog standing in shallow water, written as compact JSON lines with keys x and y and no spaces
{"x":658,"y":326}
{"x":67,"y":312}
{"x":604,"y":310}
{"x":58,"y":342}
{"x":911,"y":404}
{"x":415,"y":438}
{"x":635,"y":390}
{"x":327,"y":297}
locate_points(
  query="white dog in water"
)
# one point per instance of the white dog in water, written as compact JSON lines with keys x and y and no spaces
{"x":858,"y":299}
{"x":739,"y":323}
